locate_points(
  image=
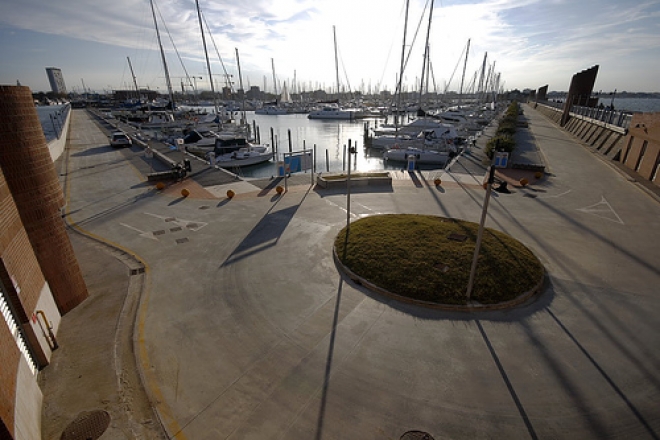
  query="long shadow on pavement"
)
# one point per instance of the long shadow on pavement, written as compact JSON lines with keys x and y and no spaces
{"x":507,"y":382}
{"x":266,"y":233}
{"x":328,"y":364}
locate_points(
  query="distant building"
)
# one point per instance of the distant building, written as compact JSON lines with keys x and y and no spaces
{"x":56,"y":80}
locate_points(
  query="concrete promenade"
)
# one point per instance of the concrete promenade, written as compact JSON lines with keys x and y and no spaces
{"x":246,"y":330}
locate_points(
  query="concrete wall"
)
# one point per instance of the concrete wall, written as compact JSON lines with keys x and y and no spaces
{"x":641,"y":152}
{"x":29,"y":399}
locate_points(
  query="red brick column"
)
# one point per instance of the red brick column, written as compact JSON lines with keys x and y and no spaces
{"x":30,"y":174}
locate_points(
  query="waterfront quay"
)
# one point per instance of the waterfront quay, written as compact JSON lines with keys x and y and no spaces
{"x":230,"y":319}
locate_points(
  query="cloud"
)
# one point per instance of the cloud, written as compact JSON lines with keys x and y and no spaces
{"x":528,"y":39}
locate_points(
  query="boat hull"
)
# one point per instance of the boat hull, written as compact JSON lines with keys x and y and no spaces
{"x":420,"y":156}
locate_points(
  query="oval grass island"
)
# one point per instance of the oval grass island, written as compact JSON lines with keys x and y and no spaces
{"x":426,"y":260}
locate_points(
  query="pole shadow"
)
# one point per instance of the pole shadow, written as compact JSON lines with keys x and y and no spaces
{"x":507,"y":382}
{"x":328,"y":365}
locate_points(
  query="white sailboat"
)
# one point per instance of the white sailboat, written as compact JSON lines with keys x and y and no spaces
{"x":334,"y":111}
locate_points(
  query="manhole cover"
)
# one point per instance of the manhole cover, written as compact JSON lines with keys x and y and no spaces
{"x":416,"y":435}
{"x":89,"y":425}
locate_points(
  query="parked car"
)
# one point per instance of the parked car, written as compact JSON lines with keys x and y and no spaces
{"x":120,"y":139}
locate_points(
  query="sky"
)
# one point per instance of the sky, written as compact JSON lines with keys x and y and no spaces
{"x":528,"y":43}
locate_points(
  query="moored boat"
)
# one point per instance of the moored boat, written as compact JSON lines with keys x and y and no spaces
{"x":236,"y":151}
{"x":335,"y":112}
{"x":420,"y":155}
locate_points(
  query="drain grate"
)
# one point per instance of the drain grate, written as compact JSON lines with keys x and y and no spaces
{"x":175,"y":229}
{"x":204,"y":207}
{"x":416,"y":435}
{"x":160,"y":232}
{"x":182,"y":240}
{"x":89,"y":425}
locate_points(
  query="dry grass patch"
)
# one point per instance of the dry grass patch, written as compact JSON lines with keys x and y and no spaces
{"x":428,"y":258}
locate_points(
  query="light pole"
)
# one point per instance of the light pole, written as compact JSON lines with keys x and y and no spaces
{"x":480,"y":233}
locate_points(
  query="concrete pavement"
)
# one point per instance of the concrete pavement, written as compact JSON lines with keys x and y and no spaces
{"x":246,"y":330}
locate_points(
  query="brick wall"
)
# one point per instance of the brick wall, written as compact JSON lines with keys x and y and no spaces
{"x":32,"y":180}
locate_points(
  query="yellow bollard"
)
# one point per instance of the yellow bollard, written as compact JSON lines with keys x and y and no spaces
{"x":279,"y":189}
{"x":185,"y":192}
{"x":524,"y":182}
{"x":160,"y":186}
{"x":437,"y":182}
{"x":230,"y":194}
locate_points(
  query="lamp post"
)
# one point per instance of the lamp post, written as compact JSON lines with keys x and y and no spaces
{"x":480,"y":233}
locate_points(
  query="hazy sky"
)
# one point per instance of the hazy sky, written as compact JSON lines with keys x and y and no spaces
{"x":531,"y":42}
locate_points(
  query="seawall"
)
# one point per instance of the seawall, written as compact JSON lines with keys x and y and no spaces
{"x":606,"y":139}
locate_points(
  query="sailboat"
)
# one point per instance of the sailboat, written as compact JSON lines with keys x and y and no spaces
{"x":434,"y":142}
{"x":334,"y":111}
{"x":276,"y":108}
{"x":280,"y":108}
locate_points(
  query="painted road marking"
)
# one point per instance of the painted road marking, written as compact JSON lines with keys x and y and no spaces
{"x":604,"y":210}
{"x":188,"y":224}
{"x":141,"y":233}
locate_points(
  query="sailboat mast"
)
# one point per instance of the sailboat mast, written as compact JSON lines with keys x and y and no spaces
{"x":240,"y":83}
{"x":272,"y":62}
{"x":137,"y":90}
{"x":208,"y":63}
{"x":162,"y":55}
{"x":334,"y":34}
{"x":403,"y":56}
{"x":460,"y":93}
{"x":426,"y":55}
{"x":482,"y":74}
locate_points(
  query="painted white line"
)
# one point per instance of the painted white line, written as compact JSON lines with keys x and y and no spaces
{"x":141,"y":233}
{"x":604,"y":210}
{"x":555,"y":196}
{"x":191,"y":225}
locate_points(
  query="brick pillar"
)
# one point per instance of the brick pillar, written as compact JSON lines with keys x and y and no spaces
{"x":30,"y":174}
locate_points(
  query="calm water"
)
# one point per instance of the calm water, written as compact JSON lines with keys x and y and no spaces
{"x":51,"y":118}
{"x":644,"y":105}
{"x":329,"y":137}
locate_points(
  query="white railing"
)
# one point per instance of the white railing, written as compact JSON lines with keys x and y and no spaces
{"x":611,"y":117}
{"x":15,"y":330}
